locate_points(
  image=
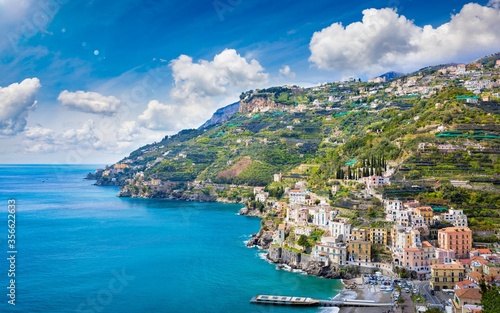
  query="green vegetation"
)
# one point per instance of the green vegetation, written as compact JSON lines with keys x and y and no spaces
{"x":490,"y":298}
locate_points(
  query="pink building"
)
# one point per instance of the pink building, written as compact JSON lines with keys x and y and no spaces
{"x":444,"y":255}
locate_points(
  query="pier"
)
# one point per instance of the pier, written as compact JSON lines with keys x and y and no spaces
{"x":305,"y":301}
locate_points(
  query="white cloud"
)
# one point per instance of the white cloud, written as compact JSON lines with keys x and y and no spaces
{"x":16,"y":100}
{"x":39,"y":139}
{"x":202,"y":87}
{"x":287,"y":71}
{"x":384,"y":40}
{"x":89,"y":102}
{"x":159,"y":116}
{"x":214,"y":78}
{"x":128,"y":131}
{"x":494,"y":4}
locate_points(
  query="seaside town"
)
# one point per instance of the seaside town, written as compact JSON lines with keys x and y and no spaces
{"x":406,"y":221}
{"x":420,"y":256}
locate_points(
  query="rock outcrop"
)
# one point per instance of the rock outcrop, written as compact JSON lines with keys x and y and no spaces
{"x":301,"y":261}
{"x":222,"y":115}
{"x":260,"y":104}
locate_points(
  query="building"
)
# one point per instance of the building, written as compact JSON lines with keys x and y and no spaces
{"x":376,"y":181}
{"x":155,"y":182}
{"x":444,"y":256}
{"x":280,"y":236}
{"x":445,"y":276}
{"x":464,"y":297}
{"x":466,"y":284}
{"x":330,"y":252}
{"x":414,"y":260}
{"x":378,"y":236}
{"x":359,"y":251}
{"x":458,"y":239}
{"x":491,"y":269}
{"x":429,"y":253}
{"x":426,"y":212}
{"x":391,"y":207}
{"x":340,"y":226}
{"x":262,"y":196}
{"x":281,"y":206}
{"x":456,"y":217}
{"x":278,"y":177}
{"x":359,"y":234}
{"x":297,"y":196}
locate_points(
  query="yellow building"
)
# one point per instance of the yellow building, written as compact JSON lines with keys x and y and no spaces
{"x":359,"y":234}
{"x":426,"y":212}
{"x":378,"y":236}
{"x":359,"y":251}
{"x":445,"y":276}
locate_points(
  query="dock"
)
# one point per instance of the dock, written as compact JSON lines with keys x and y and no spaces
{"x":305,"y":301}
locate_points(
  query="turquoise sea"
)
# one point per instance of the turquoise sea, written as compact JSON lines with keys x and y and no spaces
{"x":82,"y":249}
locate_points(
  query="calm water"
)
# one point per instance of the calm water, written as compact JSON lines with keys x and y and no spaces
{"x":82,"y":249}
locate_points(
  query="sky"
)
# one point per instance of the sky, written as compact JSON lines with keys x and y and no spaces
{"x":91,"y":81}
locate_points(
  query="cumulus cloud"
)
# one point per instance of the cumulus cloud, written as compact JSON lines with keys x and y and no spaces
{"x":384,"y":40}
{"x":89,"y":102}
{"x":89,"y":138}
{"x":202,"y":87}
{"x":16,"y":100}
{"x":494,"y":4}
{"x":128,"y":131}
{"x":159,"y":116}
{"x":39,"y":139}
{"x":287,"y":71}
{"x":214,"y":78}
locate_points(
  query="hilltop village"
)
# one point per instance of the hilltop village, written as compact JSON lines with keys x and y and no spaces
{"x":399,"y":177}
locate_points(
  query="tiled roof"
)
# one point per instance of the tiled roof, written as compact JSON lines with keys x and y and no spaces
{"x":447,"y":266}
{"x":469,"y":293}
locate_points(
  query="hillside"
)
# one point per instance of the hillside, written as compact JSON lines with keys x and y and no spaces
{"x":425,"y":129}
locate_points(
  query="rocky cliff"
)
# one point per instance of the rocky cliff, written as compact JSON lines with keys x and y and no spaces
{"x":222,"y":115}
{"x":258,"y":104}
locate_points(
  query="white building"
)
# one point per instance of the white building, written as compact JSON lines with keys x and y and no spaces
{"x":376,"y":181}
{"x":262,"y":196}
{"x":455,"y":217}
{"x":297,"y":196}
{"x":340,"y":226}
{"x":391,"y":207}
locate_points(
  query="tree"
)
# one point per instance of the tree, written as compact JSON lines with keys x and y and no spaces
{"x":490,"y":300}
{"x":304,"y":242}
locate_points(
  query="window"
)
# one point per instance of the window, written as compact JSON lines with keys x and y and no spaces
{"x":436,"y":279}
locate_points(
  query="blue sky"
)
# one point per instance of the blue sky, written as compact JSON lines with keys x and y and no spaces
{"x":90,"y":81}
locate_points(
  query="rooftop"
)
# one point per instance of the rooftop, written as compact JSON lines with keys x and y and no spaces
{"x":412,"y":250}
{"x":453,"y":266}
{"x":425,"y":209}
{"x":454,"y":229}
{"x":426,"y":244}
{"x":468,"y":293}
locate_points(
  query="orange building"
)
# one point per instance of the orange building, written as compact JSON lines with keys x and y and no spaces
{"x":426,"y":212}
{"x":458,"y":239}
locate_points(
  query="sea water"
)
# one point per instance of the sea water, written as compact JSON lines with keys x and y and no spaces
{"x":79,"y":248}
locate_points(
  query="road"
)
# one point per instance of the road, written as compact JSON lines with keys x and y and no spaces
{"x":425,"y":290}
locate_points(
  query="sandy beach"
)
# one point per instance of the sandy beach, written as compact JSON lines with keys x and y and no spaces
{"x":364,"y":292}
